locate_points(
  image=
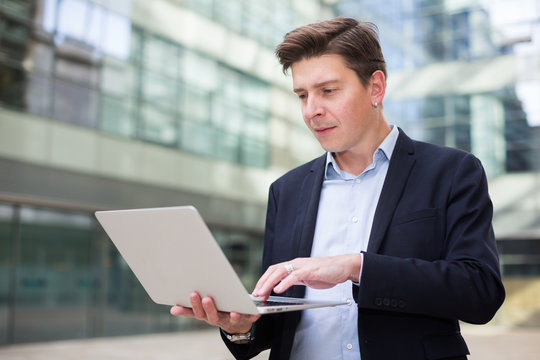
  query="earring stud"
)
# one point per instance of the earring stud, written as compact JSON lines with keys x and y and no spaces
{"x":375,"y":105}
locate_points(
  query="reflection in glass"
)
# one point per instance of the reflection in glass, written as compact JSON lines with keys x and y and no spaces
{"x":227,"y":146}
{"x":158,"y":125}
{"x":160,"y":56}
{"x":40,"y":56}
{"x":72,"y":18}
{"x":6,"y":269}
{"x":159,"y":90}
{"x":255,"y":94}
{"x":38,"y":95}
{"x":528,"y":92}
{"x":81,"y":63}
{"x":79,"y":70}
{"x":254,"y":153}
{"x":118,"y":78}
{"x":128,"y":307}
{"x":227,"y":116}
{"x":117,"y":116}
{"x":255,"y":126}
{"x":198,"y":138}
{"x":49,"y":15}
{"x":12,"y":87}
{"x":199,"y":71}
{"x":75,"y":104}
{"x":95,"y":23}
{"x":117,"y":42}
{"x":13,"y":50}
{"x":54,"y":277}
{"x":195,"y":104}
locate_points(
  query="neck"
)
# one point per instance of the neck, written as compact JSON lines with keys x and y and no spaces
{"x":356,"y":160}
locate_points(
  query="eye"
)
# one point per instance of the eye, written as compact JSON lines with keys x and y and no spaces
{"x":302,"y":96}
{"x":328,"y":91}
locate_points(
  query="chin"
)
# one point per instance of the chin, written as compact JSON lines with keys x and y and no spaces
{"x":332,"y":148}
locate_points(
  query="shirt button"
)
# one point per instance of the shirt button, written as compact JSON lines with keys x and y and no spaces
{"x":357,"y":181}
{"x":354,"y":219}
{"x":349,"y":302}
{"x":349,"y":346}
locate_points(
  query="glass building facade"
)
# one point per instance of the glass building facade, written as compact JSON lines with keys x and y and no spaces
{"x":137,"y":103}
{"x":80,"y":63}
{"x":108,"y":105}
{"x":62,"y":278}
{"x":466,"y":74}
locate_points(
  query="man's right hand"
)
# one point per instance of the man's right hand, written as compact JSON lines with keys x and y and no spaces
{"x":204,"y":309}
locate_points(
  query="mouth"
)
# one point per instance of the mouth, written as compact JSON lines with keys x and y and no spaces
{"x":323,"y":130}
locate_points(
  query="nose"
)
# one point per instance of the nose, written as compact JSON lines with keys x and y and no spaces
{"x":312,"y":108}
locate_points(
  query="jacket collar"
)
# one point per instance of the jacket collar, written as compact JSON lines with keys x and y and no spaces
{"x":400,"y":166}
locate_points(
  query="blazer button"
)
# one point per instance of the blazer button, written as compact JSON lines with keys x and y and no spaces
{"x":401,"y":304}
{"x":378,"y":301}
{"x":386,"y":302}
{"x":393,"y":303}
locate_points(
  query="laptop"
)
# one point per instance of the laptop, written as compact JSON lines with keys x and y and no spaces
{"x":172,"y":253}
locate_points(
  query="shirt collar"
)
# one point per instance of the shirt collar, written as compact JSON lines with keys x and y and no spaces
{"x":385,"y":149}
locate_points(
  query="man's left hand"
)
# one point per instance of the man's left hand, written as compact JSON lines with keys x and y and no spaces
{"x":318,"y":273}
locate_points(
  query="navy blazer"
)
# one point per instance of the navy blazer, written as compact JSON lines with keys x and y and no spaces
{"x":431,"y":258}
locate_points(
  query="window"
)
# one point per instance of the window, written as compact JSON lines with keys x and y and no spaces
{"x":118,"y":117}
{"x":131,"y":82}
{"x":6,"y":237}
{"x":160,"y":56}
{"x":159,"y":90}
{"x":199,"y":138}
{"x":158,"y":125}
{"x":227,"y":147}
{"x":69,"y":281}
{"x":54,"y":275}
{"x":75,"y":103}
{"x":254,"y":153}
{"x":38,"y":97}
{"x":12,"y":87}
{"x":195,"y":105}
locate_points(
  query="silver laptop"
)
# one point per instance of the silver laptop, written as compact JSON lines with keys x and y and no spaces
{"x":172,"y":253}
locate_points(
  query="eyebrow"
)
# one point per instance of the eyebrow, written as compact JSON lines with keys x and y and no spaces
{"x":317,"y":85}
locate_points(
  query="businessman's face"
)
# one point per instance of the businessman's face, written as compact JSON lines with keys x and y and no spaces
{"x":336,"y":107}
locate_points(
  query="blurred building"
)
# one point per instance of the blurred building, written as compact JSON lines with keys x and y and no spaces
{"x":466,"y":73}
{"x":123,"y":104}
{"x":131,"y":103}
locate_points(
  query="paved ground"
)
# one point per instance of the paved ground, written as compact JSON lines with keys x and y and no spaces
{"x":486,"y":342}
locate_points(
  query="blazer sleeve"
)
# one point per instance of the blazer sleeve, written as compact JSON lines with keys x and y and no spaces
{"x":461,"y":283}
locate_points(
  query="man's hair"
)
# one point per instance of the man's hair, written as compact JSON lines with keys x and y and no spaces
{"x":357,"y":42}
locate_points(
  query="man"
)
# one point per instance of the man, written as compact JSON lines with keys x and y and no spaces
{"x":400,"y":227}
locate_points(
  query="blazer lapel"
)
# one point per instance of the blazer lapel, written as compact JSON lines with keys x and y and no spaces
{"x":306,"y":218}
{"x":310,"y":196}
{"x":401,"y":163}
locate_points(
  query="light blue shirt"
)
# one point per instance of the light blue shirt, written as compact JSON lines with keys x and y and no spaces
{"x":346,"y":210}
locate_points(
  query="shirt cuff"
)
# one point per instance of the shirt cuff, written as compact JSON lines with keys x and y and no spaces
{"x":361,"y":268}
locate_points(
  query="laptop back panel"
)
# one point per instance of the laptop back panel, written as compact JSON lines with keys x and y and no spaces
{"x":172,"y":253}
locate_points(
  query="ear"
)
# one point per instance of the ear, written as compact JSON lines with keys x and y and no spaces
{"x":378,"y":87}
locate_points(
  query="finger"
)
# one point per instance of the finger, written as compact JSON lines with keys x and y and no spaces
{"x":290,"y":280}
{"x":197,"y":307}
{"x":266,"y":285}
{"x":237,"y":318}
{"x":264,"y":277}
{"x":257,"y":290}
{"x":178,"y":310}
{"x":249,"y":318}
{"x":212,"y":315}
{"x":241,"y":322}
